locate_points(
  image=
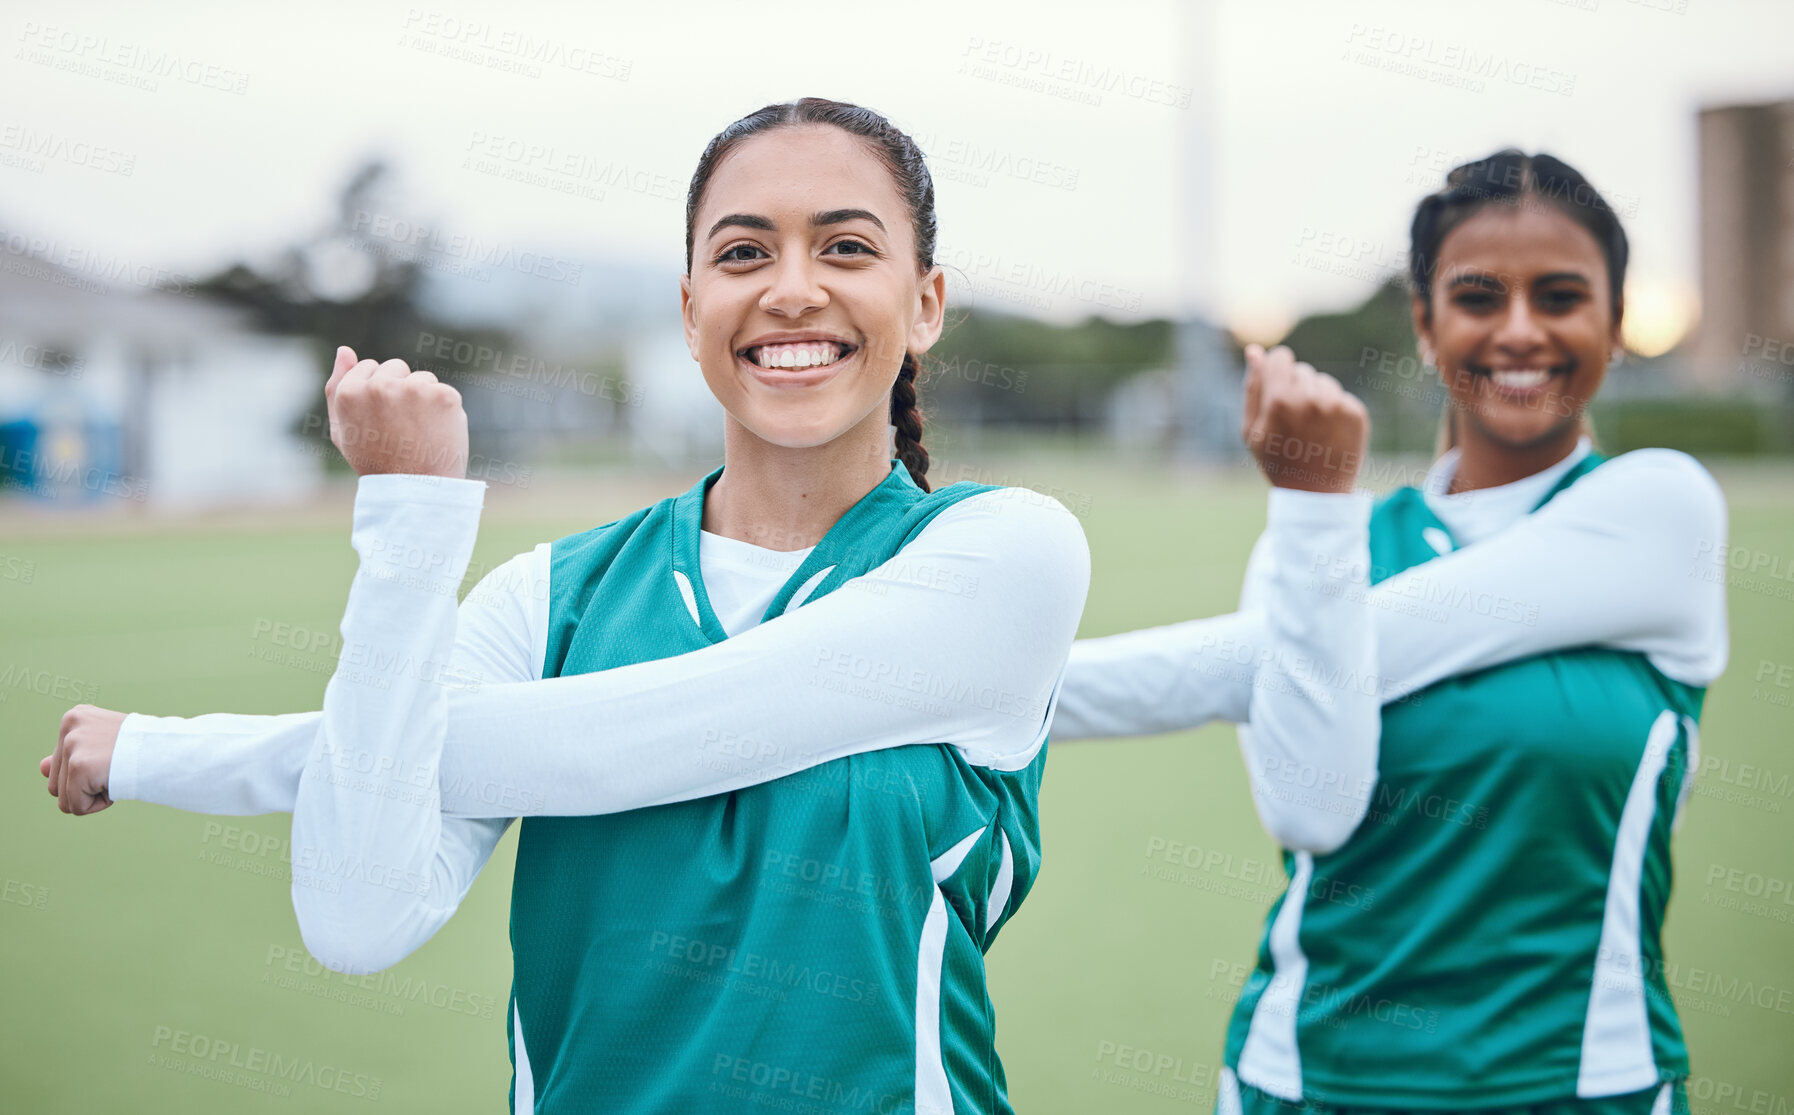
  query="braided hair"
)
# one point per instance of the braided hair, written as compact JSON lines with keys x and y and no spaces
{"x":900,"y":155}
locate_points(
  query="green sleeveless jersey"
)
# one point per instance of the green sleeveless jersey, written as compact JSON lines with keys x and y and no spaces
{"x":812,"y":944}
{"x":1490,"y":934}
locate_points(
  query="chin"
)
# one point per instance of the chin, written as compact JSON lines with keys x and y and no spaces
{"x":803,"y":434}
{"x":1524,"y":432}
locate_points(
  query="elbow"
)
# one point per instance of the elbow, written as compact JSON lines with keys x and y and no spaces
{"x":1317,"y":831}
{"x":347,"y":940}
{"x":348,"y":950}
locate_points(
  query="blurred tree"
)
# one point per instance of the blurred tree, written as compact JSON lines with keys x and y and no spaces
{"x":999,"y":368}
{"x":1370,"y":350}
{"x":340,"y":286}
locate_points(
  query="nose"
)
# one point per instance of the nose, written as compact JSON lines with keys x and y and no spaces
{"x":793,"y":289}
{"x":1520,"y":331}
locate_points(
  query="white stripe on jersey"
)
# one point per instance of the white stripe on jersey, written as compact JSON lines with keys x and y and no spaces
{"x":1616,"y":1034}
{"x":999,"y":891}
{"x":933,"y":1093}
{"x":1269,"y":1060}
{"x":804,"y":590}
{"x":686,"y":594}
{"x":1227,"y":1098}
{"x":1692,"y":766}
{"x":525,"y":1102}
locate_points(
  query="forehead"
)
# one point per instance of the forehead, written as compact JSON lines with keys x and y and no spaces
{"x":1533,"y":238}
{"x":791,"y":173}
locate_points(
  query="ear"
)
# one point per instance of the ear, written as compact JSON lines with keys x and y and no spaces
{"x":1423,"y":330}
{"x":931,"y":311}
{"x":686,"y":312}
{"x":1619,"y":318}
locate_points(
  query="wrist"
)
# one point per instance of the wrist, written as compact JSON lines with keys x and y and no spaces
{"x":122,"y":775}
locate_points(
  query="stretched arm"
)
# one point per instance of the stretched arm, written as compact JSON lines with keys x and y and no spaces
{"x":371,"y":877}
{"x":1629,"y":557}
{"x":969,"y":655}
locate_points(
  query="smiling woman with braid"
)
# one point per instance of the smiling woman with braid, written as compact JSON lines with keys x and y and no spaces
{"x":778,"y":801}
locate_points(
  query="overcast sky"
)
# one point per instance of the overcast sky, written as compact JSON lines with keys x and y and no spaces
{"x":1057,"y":131}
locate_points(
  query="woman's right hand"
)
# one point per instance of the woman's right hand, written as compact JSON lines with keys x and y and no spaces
{"x":385,"y":418}
{"x":81,"y":765}
{"x":1306,"y":431}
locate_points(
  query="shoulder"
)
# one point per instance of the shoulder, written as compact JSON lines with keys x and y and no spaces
{"x":1680,"y":472}
{"x":1015,"y":534}
{"x":1019,"y":515}
{"x":523,"y":576}
{"x":613,"y":533}
{"x":1654,"y":489}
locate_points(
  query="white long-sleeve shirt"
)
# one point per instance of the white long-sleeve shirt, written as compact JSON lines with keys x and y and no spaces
{"x":990,"y":592}
{"x":1631,"y":557}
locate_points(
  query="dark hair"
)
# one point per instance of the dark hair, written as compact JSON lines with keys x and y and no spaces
{"x":1512,"y":177}
{"x":903,"y":159}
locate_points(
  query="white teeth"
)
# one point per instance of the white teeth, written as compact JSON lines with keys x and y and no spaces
{"x":812,"y":355}
{"x":1520,"y":380}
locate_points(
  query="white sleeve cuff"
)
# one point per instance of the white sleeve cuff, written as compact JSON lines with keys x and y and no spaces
{"x":121,"y":778}
{"x":1294,"y":507}
{"x":404,"y":487}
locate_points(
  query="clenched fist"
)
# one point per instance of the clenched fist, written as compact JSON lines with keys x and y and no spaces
{"x":1306,"y":430}
{"x":80,"y":766}
{"x":388,"y":418}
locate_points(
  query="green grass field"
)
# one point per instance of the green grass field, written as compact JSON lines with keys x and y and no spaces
{"x":123,"y":929}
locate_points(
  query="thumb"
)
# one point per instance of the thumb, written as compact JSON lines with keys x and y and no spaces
{"x":1255,"y":357}
{"x":345,"y":359}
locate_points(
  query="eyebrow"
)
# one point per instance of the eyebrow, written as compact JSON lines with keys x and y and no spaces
{"x":817,"y":220}
{"x":1485,"y":281}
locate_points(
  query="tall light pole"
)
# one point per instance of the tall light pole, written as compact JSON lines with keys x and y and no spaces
{"x":1207,"y":385}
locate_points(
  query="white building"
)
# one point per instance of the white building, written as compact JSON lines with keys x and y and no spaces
{"x":151,"y":398}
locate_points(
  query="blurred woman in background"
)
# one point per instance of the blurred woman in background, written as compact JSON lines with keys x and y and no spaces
{"x":1547,"y":621}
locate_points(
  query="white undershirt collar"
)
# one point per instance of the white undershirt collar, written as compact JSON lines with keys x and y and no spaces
{"x":1475,"y":515}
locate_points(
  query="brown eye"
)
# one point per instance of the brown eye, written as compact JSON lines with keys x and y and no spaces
{"x":739,"y":253}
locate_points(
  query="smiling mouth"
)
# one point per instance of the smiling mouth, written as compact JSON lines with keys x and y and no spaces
{"x":797,"y":356}
{"x":1520,"y":381}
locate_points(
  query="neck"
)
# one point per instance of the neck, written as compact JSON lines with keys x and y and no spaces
{"x":787,"y":499}
{"x":1485,"y":464}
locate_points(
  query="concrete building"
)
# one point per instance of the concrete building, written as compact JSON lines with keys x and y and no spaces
{"x":1746,"y":338}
